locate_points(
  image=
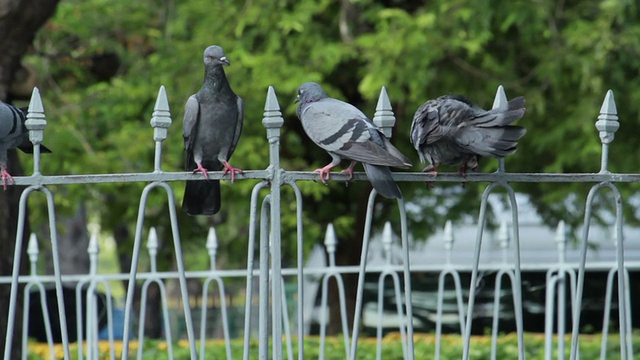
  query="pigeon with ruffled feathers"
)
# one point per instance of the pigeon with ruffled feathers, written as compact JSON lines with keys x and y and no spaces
{"x":346,"y":133}
{"x":452,"y":130}
{"x":212,"y":125}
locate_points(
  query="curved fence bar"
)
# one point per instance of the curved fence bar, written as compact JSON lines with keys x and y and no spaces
{"x":13,"y":297}
{"x":253,"y":224}
{"x":625,"y":340}
{"x":179,"y":264}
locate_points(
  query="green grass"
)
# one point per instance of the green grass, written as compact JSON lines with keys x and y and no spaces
{"x":451,"y":348}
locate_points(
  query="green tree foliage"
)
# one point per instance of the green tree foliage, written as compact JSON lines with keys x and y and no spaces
{"x":562,"y":56}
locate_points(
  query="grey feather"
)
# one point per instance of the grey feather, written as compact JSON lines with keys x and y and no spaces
{"x":13,"y":134}
{"x":346,"y":133}
{"x":452,"y":130}
{"x":212,"y":126}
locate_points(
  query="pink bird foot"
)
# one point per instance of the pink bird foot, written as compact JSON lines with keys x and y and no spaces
{"x":230,"y":169}
{"x":431,"y":169}
{"x":325,"y":173}
{"x":349,"y":170}
{"x":6,"y":177}
{"x":202,"y":170}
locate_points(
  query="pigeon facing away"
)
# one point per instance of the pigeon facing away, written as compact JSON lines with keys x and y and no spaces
{"x":345,"y":132}
{"x":13,"y":134}
{"x":452,"y":130}
{"x":212,"y":125}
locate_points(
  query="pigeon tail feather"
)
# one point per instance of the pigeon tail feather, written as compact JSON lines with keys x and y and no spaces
{"x":201,"y":197}
{"x":498,"y":141}
{"x":381,"y":180}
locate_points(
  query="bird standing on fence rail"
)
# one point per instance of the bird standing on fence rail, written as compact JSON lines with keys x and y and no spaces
{"x":345,"y":132}
{"x":452,"y":130}
{"x":212,"y":125}
{"x":13,"y":134}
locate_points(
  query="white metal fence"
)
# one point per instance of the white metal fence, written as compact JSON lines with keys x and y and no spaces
{"x":273,"y":314}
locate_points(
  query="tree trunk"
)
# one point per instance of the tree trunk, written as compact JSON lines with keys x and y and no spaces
{"x":19,"y":23}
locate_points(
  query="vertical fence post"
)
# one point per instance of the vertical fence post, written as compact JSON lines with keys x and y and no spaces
{"x":272,"y":121}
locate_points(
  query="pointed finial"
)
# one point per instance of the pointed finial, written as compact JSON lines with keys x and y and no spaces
{"x":32,"y":248}
{"x":447,"y":235}
{"x":152,"y":242}
{"x":607,"y":123}
{"x":35,"y":104}
{"x":503,"y":235}
{"x":387,"y":236}
{"x":561,"y":234}
{"x":161,"y":117}
{"x":384,"y":117}
{"x":272,"y":118}
{"x":93,"y":248}
{"x":500,"y":101}
{"x":35,"y":123}
{"x":330,"y":239}
{"x":160,"y":121}
{"x":212,"y":241}
{"x":212,"y":246}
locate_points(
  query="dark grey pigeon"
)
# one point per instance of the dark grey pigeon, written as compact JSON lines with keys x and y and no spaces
{"x":345,"y":132}
{"x":211,"y":129}
{"x":13,"y":134}
{"x":452,"y":130}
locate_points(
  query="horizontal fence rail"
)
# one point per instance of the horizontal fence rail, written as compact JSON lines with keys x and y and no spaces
{"x":457,"y":295}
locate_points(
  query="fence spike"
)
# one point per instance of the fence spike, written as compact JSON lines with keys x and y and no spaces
{"x":384,"y":117}
{"x":32,"y":248}
{"x":607,"y":126}
{"x":607,"y":123}
{"x":561,"y":235}
{"x":161,"y":117}
{"x":35,"y":123}
{"x":447,"y":235}
{"x":93,"y":248}
{"x":330,"y":239}
{"x":152,"y":242}
{"x":387,"y":236}
{"x":212,"y":240}
{"x":212,"y":246}
{"x":160,"y":121}
{"x":272,"y":117}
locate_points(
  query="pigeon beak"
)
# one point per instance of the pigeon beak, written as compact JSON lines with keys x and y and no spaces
{"x":297,"y":99}
{"x":224,"y":60}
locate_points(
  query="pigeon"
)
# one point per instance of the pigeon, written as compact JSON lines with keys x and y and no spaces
{"x":345,"y":132}
{"x":13,"y":134}
{"x":452,"y":130}
{"x":212,"y":125}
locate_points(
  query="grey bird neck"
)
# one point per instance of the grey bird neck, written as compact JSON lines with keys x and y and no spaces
{"x":215,"y":79}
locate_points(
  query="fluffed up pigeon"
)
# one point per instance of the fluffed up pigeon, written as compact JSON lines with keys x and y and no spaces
{"x":212,"y":125}
{"x":452,"y":130}
{"x":345,"y":132}
{"x":13,"y":134}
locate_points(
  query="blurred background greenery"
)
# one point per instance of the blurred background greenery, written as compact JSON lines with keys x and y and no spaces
{"x":100,"y":64}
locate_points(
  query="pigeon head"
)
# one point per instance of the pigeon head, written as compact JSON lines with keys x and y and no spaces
{"x":214,"y":55}
{"x":310,"y":92}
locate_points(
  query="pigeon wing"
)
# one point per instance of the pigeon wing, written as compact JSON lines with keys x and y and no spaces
{"x":239,"y":123}
{"x":189,"y":126}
